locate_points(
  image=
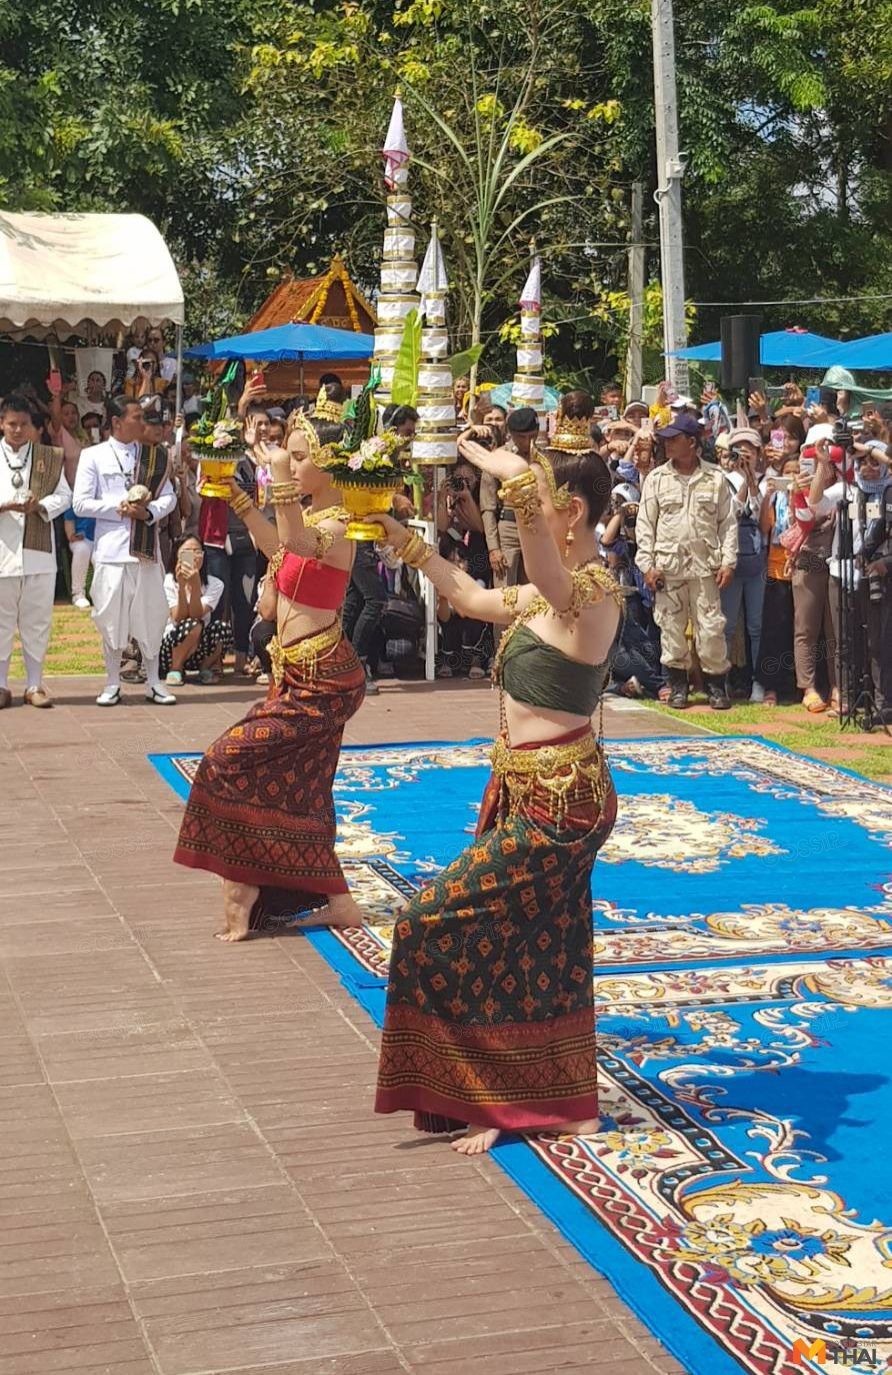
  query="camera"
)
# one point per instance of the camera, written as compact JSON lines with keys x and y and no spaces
{"x":456,"y":483}
{"x":843,"y":435}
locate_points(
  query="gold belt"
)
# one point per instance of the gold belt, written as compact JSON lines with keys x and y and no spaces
{"x":558,"y":769}
{"x":304,"y":653}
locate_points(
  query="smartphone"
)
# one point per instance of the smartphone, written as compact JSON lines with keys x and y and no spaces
{"x":813,"y":396}
{"x":776,"y":483}
{"x":259,"y":378}
{"x":807,"y":467}
{"x":187,"y":560}
{"x":757,"y":384}
{"x":777,"y":439}
{"x":54,"y":382}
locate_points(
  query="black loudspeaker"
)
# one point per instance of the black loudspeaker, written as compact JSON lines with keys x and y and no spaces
{"x":740,"y":350}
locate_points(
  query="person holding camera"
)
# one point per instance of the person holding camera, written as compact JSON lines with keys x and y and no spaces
{"x":869,"y":503}
{"x":687,"y":551}
{"x":635,"y":670}
{"x":499,"y":521}
{"x":774,"y":670}
{"x":459,"y":518}
{"x":146,"y":381}
{"x":746,"y":591}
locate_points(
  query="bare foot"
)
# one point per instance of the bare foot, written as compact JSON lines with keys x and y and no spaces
{"x":342,"y":910}
{"x":238,"y":903}
{"x":477,"y":1140}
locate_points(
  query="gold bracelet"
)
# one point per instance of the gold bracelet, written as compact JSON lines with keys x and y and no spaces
{"x":284,"y":493}
{"x":241,"y":503}
{"x":416,"y":551}
{"x":521,"y":494}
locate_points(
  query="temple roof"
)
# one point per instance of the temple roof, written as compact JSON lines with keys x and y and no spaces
{"x":329,"y":299}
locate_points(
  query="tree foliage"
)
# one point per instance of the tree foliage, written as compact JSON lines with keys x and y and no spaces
{"x":250,"y":133}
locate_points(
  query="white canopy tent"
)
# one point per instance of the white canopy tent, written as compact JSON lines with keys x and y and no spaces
{"x":60,"y":273}
{"x":64,"y":275}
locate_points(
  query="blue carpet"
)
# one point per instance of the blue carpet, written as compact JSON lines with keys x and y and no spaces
{"x":735,"y":1195}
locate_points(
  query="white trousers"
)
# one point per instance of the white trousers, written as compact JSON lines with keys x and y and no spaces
{"x":26,"y":602}
{"x":129,"y":604}
{"x":80,"y":563}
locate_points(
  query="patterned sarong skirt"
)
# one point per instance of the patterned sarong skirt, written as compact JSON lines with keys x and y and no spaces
{"x":261,"y":810}
{"x":490,"y":1006}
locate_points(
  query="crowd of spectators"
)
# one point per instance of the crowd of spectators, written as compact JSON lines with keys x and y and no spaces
{"x":725,"y":534}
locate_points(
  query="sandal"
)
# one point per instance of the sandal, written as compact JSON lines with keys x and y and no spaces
{"x":208,"y":676}
{"x":174,"y":678}
{"x":476,"y":672}
{"x":770,"y":699}
{"x":814,"y":702}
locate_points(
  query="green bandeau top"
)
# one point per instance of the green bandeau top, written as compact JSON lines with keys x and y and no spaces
{"x":542,"y":676}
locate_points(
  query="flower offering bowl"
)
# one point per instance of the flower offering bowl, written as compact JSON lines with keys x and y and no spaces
{"x":215,"y":475}
{"x":363,"y":500}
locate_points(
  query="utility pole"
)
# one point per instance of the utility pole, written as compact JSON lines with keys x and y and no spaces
{"x":670,"y":170}
{"x":634,"y":367}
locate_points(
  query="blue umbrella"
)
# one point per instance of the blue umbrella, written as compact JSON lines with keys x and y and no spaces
{"x":781,"y":348}
{"x":306,"y":343}
{"x":873,"y":354}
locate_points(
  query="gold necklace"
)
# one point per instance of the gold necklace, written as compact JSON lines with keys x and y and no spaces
{"x":590,"y":583}
{"x":315,"y":518}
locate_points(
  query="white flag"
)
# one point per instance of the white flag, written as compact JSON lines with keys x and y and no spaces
{"x":396,"y":148}
{"x":432,"y":277}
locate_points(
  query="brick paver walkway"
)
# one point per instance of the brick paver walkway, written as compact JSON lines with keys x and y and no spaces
{"x":191,"y":1177}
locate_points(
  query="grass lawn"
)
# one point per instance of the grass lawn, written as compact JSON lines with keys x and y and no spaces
{"x":819,"y":737}
{"x":75,"y":646}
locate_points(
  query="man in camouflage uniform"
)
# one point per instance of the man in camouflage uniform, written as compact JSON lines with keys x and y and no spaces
{"x":687,"y":551}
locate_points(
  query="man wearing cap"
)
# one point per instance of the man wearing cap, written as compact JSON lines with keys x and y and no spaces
{"x":746,"y":590}
{"x":687,"y":551}
{"x":500,"y":522}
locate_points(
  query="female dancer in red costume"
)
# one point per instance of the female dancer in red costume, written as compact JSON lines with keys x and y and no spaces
{"x":260,"y":813}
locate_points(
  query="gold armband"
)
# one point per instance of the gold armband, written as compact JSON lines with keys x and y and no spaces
{"x":415,"y":552}
{"x":509,"y":599}
{"x":324,"y":540}
{"x":284,"y":494}
{"x":241,"y":504}
{"x":521,"y":494}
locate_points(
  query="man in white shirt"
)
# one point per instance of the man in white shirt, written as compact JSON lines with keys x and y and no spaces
{"x":33,"y":492}
{"x":128,"y":582}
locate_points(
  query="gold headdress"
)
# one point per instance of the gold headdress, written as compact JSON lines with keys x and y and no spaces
{"x":332,"y":411}
{"x":573,"y":436}
{"x":320,"y":454}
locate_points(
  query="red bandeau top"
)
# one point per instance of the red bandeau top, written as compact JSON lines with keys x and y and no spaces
{"x":312,"y":583}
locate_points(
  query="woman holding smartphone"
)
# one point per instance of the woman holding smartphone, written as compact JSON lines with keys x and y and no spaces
{"x":192,"y":640}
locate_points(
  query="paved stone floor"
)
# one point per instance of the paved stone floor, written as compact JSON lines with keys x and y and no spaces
{"x":191,"y":1177}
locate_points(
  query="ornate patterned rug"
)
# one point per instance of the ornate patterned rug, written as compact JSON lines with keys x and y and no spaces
{"x":736,"y":1195}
